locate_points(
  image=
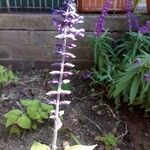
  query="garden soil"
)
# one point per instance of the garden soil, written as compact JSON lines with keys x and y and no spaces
{"x":89,"y":117}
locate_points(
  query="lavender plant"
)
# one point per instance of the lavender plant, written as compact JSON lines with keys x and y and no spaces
{"x":132,"y":43}
{"x":131,"y":80}
{"x":145,"y":29}
{"x":133,"y":84}
{"x":100,"y":24}
{"x":132,"y":19}
{"x":102,"y":46}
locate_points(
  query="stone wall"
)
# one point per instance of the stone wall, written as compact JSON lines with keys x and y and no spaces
{"x":27,"y":40}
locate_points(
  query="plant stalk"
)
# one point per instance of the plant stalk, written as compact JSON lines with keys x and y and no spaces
{"x":55,"y":136}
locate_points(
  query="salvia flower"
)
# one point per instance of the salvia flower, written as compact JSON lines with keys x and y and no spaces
{"x":64,"y":22}
{"x":100,"y":24}
{"x":132,"y":19}
{"x":86,"y":74}
{"x":146,"y":28}
{"x":147,"y":77}
{"x":137,"y":62}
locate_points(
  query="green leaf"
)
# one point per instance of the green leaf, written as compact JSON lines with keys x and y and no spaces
{"x":32,"y":112}
{"x":11,"y":119}
{"x":81,"y":147}
{"x":123,"y":83}
{"x":15,"y":130}
{"x":16,"y":112}
{"x":6,"y":75}
{"x":26,"y":102}
{"x":39,"y":146}
{"x":24,"y":122}
{"x":134,"y":89}
{"x":34,"y":126}
{"x":44,"y":115}
{"x":47,"y":107}
{"x":30,"y":102}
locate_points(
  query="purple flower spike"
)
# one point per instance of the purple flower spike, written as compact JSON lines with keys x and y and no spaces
{"x":147,"y":77}
{"x":133,"y":20}
{"x":67,"y":33}
{"x":146,"y":28}
{"x":100,"y":24}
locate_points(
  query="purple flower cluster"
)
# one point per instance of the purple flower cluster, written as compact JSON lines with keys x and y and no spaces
{"x":137,"y":62}
{"x":64,"y":22}
{"x":133,"y":20}
{"x":147,"y":77}
{"x":146,"y":28}
{"x":100,"y":24}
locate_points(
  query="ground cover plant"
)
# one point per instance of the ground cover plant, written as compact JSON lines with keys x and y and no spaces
{"x":6,"y":76}
{"x":35,"y":113}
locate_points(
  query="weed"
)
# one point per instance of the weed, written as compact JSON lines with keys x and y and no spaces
{"x":35,"y":113}
{"x":6,"y":75}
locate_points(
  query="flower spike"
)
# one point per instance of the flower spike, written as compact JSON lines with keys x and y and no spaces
{"x":67,"y":33}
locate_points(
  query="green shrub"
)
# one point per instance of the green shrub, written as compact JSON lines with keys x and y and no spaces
{"x":35,"y":113}
{"x":103,"y":57}
{"x":130,"y":46}
{"x":131,"y":85}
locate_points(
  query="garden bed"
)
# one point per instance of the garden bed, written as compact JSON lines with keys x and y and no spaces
{"x":90,"y":115}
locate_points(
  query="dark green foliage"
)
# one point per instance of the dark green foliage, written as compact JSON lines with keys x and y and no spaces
{"x":131,"y":85}
{"x":6,"y":75}
{"x":35,"y":113}
{"x":118,"y":66}
{"x":37,"y":110}
{"x":15,"y":120}
{"x":130,"y":46}
{"x":103,"y":57}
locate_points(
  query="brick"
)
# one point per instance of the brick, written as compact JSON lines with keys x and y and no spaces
{"x":43,"y":22}
{"x":3,"y":52}
{"x":30,"y":52}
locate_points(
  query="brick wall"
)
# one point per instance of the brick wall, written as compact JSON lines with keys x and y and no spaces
{"x":27,"y":40}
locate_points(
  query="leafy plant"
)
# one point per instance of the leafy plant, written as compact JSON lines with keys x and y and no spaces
{"x":132,"y":84}
{"x":17,"y":120}
{"x":6,"y":75}
{"x":103,"y":57}
{"x":109,"y":140}
{"x":130,"y":46}
{"x":36,"y":112}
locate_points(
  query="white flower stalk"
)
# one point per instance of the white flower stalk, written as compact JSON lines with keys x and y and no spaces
{"x":64,"y":24}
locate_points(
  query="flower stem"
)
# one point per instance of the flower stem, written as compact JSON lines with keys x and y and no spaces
{"x":55,"y":136}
